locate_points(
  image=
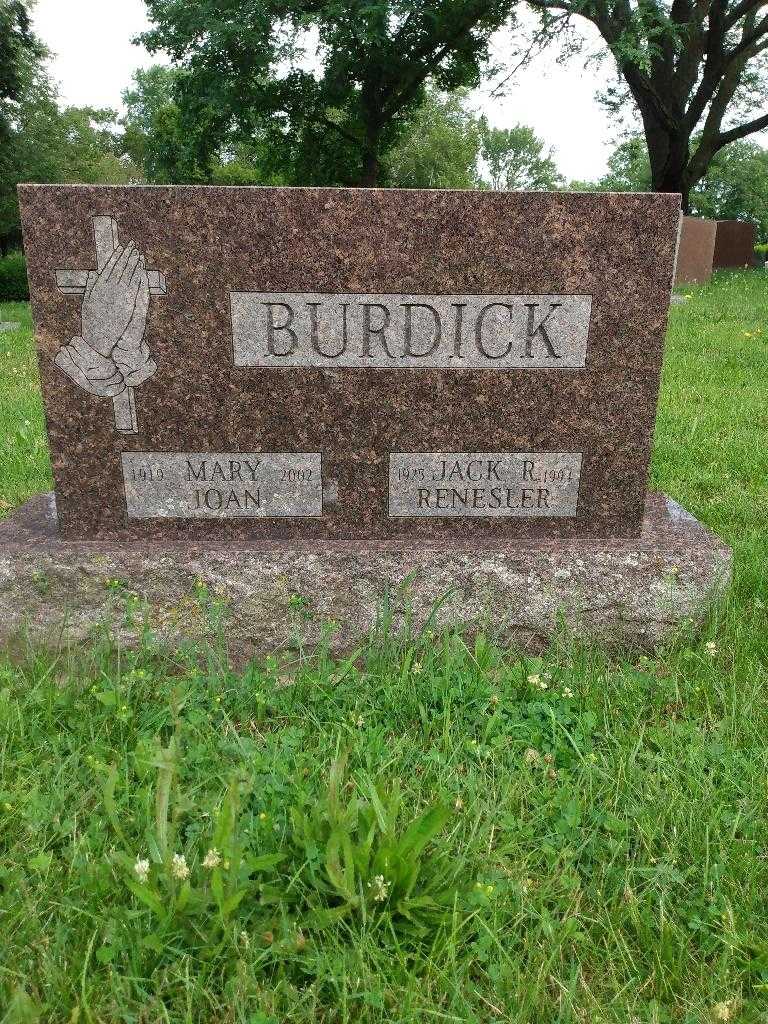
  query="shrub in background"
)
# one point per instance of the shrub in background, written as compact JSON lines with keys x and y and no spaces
{"x":13,"y":278}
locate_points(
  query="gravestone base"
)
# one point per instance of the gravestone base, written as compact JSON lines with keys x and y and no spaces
{"x":9,"y":325}
{"x":269,"y":595}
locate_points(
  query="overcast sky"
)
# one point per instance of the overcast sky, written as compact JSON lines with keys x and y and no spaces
{"x":94,"y":61}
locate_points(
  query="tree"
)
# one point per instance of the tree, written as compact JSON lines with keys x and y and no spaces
{"x":515,"y":159}
{"x":439,"y":146}
{"x":629,"y":170}
{"x":246,"y":77}
{"x":46,"y":144}
{"x":147,"y":101}
{"x":153,"y":135}
{"x":20,"y":54}
{"x":696,"y":70}
{"x":19,"y":49}
{"x":155,"y":138}
{"x":736,"y":187}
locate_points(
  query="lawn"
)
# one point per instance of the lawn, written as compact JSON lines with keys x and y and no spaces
{"x":432,"y":830}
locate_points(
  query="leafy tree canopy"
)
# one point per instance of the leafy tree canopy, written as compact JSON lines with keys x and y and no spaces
{"x":155,"y":138}
{"x":439,"y":146}
{"x":736,"y":187}
{"x":151,"y":124}
{"x":629,"y":169}
{"x":247,"y":76}
{"x":49,"y":145}
{"x":18,"y":47}
{"x":20,"y":50}
{"x":515,"y":159}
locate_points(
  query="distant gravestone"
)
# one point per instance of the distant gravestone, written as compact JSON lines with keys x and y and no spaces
{"x":734,"y":244}
{"x":468,"y":373}
{"x":696,"y":250}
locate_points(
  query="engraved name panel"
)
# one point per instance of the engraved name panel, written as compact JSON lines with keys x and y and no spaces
{"x":222,"y":485}
{"x":484,"y":483}
{"x":391,"y":331}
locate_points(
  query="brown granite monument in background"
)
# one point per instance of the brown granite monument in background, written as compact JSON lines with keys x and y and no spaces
{"x":695,"y":251}
{"x":328,"y":391}
{"x":734,"y":244}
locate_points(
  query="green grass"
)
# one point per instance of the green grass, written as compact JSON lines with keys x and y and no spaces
{"x":598,"y":849}
{"x":25,"y":467}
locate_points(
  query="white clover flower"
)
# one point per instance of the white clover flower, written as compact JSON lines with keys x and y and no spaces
{"x":567,"y":691}
{"x":416,"y":668}
{"x":212,"y":859}
{"x":380,"y":888}
{"x":141,"y":869}
{"x":711,"y":648}
{"x":722,"y":1011}
{"x":531,"y":756}
{"x":539,"y":681}
{"x":179,"y":867}
{"x":459,"y":804}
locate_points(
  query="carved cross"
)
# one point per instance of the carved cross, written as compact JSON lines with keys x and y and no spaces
{"x":75,"y":282}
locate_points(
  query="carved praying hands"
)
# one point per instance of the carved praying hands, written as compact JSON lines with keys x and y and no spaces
{"x":111,"y":358}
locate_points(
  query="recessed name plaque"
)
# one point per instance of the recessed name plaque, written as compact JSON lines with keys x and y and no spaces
{"x":484,"y":484}
{"x":393,"y":331}
{"x":222,"y":485}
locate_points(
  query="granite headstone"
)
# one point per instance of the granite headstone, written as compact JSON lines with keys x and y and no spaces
{"x":734,"y":244}
{"x":695,"y":250}
{"x":350,"y":364}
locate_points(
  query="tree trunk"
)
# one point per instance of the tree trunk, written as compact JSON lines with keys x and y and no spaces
{"x":675,"y":179}
{"x":371,"y":169}
{"x":669,"y":155}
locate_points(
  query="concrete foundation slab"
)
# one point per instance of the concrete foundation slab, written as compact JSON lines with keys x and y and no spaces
{"x":621,"y":592}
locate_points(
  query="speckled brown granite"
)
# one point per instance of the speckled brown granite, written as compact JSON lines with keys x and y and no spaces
{"x":632,"y":593}
{"x":734,"y":244}
{"x":696,"y":251}
{"x":209,"y":242}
